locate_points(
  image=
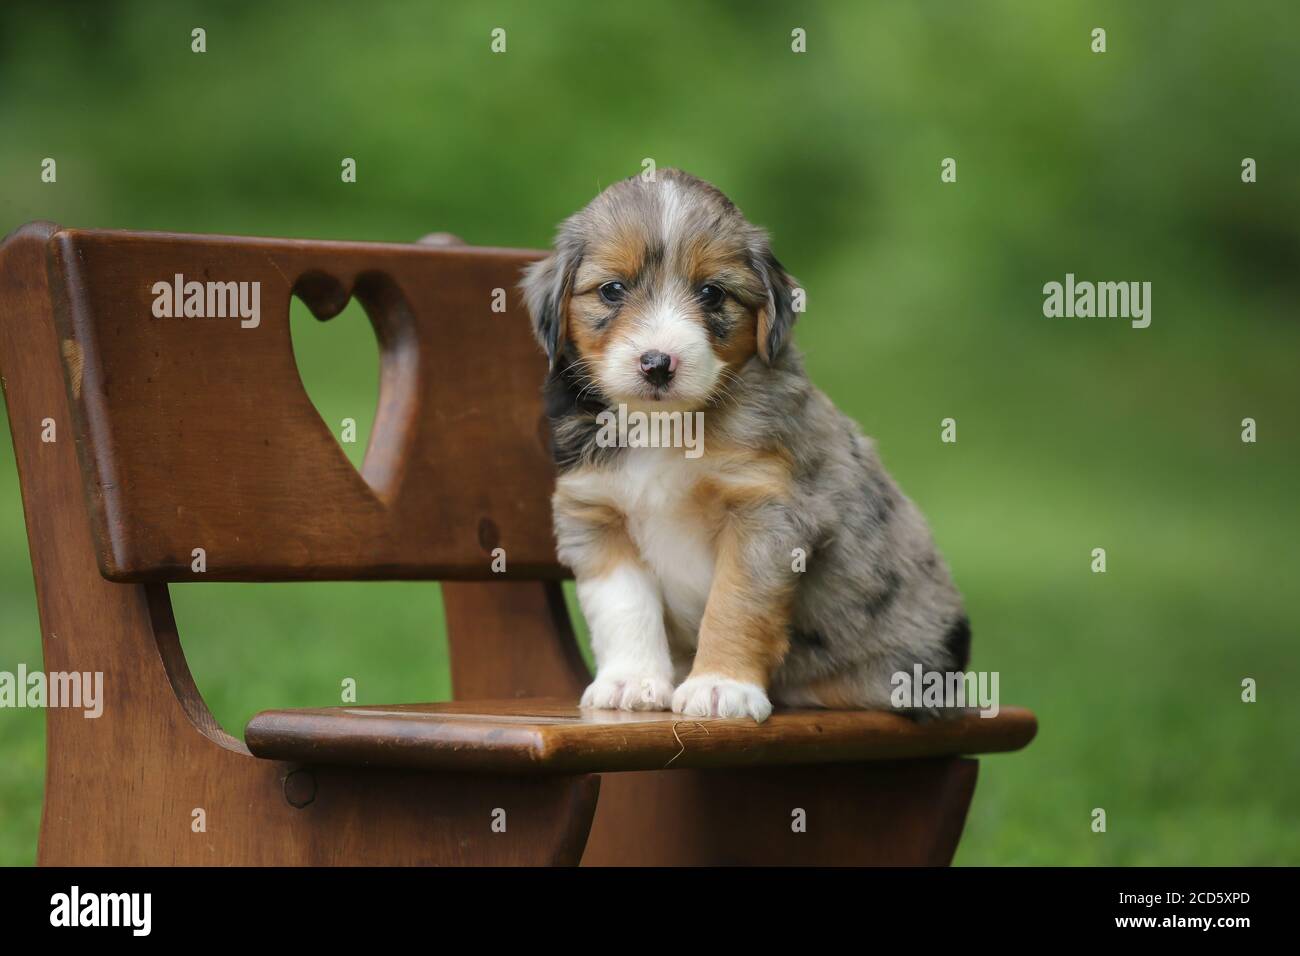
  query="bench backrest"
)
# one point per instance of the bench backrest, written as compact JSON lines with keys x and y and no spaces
{"x":196,"y":432}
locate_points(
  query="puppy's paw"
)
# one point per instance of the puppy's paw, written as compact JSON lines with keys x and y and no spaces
{"x":609,"y":692}
{"x":712,"y":696}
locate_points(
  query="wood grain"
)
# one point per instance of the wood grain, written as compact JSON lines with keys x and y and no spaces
{"x":883,"y":813}
{"x":511,"y":639}
{"x":123,"y":789}
{"x":524,"y":736}
{"x":198,"y":433}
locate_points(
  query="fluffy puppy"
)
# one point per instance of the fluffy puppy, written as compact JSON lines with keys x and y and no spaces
{"x":783,"y":562}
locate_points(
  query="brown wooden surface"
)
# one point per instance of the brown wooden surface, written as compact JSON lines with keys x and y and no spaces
{"x":198,"y":433}
{"x":551,"y":735}
{"x":185,"y":433}
{"x":123,"y":788}
{"x":511,"y":639}
{"x":890,"y":813}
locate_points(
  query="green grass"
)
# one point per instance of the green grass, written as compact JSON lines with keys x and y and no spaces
{"x":924,"y":303}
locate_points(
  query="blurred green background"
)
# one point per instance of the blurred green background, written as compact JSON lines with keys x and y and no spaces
{"x":925,"y":302}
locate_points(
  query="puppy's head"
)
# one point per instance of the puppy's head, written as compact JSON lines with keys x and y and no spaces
{"x":657,"y":292}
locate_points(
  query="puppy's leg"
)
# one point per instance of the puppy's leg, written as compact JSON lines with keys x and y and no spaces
{"x":624,"y":611}
{"x":744,"y":633}
{"x":623,"y":606}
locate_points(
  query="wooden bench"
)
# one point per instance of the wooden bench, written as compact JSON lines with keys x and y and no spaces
{"x":180,"y":434}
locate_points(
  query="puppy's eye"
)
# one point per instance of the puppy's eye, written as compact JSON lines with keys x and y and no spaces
{"x":612,"y":293}
{"x":711,"y":296}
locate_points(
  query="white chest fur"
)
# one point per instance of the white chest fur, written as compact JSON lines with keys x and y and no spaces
{"x":652,"y":488}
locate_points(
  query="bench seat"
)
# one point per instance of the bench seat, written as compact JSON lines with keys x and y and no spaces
{"x":552,"y":735}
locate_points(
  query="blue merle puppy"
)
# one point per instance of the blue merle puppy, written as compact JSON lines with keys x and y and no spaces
{"x":782,"y":563}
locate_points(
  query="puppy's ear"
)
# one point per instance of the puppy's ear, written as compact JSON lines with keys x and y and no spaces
{"x":547,"y":286}
{"x":776,"y":315}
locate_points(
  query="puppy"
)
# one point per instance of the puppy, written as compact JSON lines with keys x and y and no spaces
{"x":782,"y":563}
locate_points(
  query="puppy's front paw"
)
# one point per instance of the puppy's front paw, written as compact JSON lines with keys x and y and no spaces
{"x":628,"y":693}
{"x":710,"y":696}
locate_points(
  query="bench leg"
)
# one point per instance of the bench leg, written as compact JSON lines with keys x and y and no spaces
{"x":908,"y":813}
{"x":155,"y":780}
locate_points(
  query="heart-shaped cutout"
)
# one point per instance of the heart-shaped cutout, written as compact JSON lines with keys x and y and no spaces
{"x":364,"y":397}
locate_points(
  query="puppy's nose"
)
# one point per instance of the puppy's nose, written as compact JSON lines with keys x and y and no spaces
{"x":658,"y":368}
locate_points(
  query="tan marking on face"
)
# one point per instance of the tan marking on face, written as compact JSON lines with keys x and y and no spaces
{"x":708,"y":260}
{"x":705,"y":259}
{"x":616,"y":257}
{"x":742,"y":343}
{"x":611,"y":255}
{"x":587,"y":337}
